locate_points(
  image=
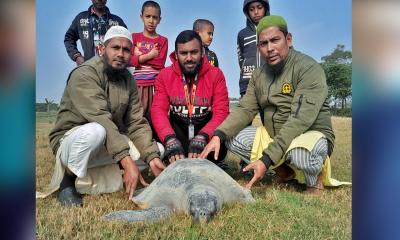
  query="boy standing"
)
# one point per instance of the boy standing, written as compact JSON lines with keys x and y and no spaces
{"x":248,"y":55}
{"x":205,"y":29}
{"x":149,"y":53}
{"x":89,"y":27}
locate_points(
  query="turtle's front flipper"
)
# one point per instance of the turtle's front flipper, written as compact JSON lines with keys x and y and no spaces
{"x":146,"y":215}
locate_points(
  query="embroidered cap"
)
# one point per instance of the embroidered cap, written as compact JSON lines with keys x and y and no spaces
{"x":272,"y":21}
{"x":117,"y":31}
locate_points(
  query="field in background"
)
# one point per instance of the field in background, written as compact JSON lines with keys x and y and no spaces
{"x":280,"y":212}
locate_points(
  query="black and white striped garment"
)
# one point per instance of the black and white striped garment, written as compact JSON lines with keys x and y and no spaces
{"x":309,"y":162}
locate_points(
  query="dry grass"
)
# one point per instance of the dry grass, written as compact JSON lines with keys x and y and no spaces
{"x":281,"y":211}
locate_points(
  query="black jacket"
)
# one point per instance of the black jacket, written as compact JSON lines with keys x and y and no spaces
{"x":211,"y":57}
{"x":248,"y":54}
{"x":81,"y":29}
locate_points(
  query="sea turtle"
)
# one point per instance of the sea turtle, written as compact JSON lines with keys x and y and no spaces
{"x":196,"y":187}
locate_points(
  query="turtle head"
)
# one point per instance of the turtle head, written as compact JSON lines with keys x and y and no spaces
{"x":203,"y":206}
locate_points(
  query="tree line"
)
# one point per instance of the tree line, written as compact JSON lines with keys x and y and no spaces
{"x":337,"y":67}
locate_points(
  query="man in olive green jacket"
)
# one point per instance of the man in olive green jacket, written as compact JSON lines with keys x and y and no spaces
{"x":291,"y":93}
{"x":100,"y":112}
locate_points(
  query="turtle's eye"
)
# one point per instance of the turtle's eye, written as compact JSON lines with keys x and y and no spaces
{"x":203,"y":215}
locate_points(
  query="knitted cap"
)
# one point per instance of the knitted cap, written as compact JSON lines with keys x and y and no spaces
{"x":117,"y":31}
{"x":271,"y":21}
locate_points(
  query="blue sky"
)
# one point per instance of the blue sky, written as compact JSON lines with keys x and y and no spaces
{"x":317,"y":27}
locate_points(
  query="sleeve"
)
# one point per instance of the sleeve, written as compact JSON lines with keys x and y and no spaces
{"x":70,"y":39}
{"x":310,"y":94}
{"x":163,"y":53}
{"x":89,"y":98}
{"x":139,"y":130}
{"x":160,"y":108}
{"x":134,"y":60}
{"x":244,"y":113}
{"x":220,"y":104}
{"x":216,"y":64}
{"x":239,"y":50}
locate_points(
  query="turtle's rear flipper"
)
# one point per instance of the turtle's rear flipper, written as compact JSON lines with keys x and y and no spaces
{"x":146,"y":215}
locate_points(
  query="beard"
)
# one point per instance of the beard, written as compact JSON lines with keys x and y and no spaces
{"x":277,"y":68}
{"x":112,"y":73}
{"x":191,"y":72}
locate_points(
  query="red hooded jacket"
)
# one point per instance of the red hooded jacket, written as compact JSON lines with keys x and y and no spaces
{"x":211,"y":105}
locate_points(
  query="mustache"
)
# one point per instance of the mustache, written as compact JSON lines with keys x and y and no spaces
{"x":120,"y":59}
{"x":189,"y":62}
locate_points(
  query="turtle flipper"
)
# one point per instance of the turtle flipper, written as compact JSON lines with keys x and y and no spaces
{"x":146,"y":215}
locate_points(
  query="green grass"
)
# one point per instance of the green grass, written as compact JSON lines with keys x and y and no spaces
{"x":280,"y":211}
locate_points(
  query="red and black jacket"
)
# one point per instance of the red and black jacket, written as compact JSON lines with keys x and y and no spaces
{"x":170,"y":110}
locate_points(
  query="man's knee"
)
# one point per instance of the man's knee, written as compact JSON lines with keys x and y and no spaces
{"x":320,"y":149}
{"x":303,"y":159}
{"x":228,"y":144}
{"x":299,"y":158}
{"x":94,"y":134}
{"x":243,"y":141}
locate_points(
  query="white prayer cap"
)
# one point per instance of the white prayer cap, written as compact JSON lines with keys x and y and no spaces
{"x":117,"y":31}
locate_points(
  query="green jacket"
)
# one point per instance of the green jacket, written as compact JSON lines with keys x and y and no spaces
{"x":291,"y":100}
{"x":114,"y":104}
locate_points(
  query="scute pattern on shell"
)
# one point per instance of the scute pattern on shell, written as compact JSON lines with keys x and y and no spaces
{"x":170,"y":190}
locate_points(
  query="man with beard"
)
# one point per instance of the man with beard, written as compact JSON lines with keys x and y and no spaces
{"x":89,"y":27}
{"x":190,"y":101}
{"x":290,"y":90}
{"x":100,"y":121}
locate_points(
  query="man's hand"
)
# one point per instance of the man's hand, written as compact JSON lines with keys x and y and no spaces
{"x":157,"y":166}
{"x":213,"y":146}
{"x":259,"y":170}
{"x":131,"y":175}
{"x":79,"y":60}
{"x":196,"y":145}
{"x":173,"y":149}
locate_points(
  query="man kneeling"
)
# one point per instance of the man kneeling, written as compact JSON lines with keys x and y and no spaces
{"x":99,"y":113}
{"x":190,"y":101}
{"x":291,"y":94}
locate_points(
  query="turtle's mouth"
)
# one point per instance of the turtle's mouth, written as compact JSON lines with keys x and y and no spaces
{"x":202,"y":216}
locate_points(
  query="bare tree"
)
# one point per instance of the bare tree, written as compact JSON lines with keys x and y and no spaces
{"x":48,"y":104}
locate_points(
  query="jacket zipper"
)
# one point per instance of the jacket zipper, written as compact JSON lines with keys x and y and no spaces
{"x":257,"y":52}
{"x":269,"y":95}
{"x":298,"y":107}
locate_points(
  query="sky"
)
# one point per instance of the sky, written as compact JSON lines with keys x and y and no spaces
{"x":317,"y":27}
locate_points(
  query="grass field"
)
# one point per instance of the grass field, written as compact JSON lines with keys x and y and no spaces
{"x":280,"y":211}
